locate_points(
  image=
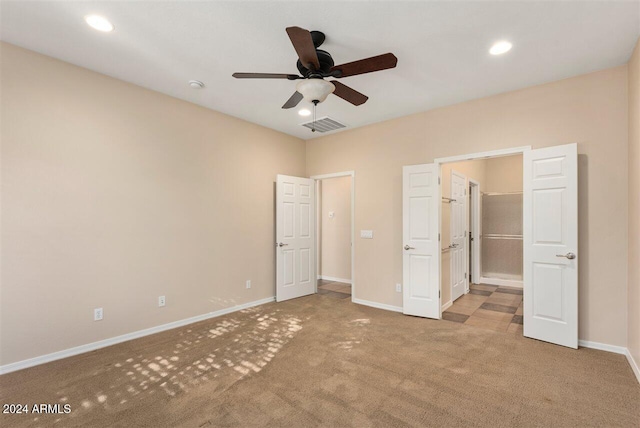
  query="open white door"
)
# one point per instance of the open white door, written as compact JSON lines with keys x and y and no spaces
{"x":421,"y":246}
{"x":458,"y":222}
{"x":295,"y":235}
{"x":550,"y":211}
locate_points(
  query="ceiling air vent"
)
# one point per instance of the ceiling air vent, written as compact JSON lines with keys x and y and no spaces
{"x":324,"y":124}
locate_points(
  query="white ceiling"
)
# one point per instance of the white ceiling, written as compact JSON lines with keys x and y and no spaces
{"x":442,"y":48}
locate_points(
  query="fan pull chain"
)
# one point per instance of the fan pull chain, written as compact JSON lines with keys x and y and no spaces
{"x":313,"y":127}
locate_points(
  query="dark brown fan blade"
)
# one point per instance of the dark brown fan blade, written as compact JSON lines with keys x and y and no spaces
{"x":375,"y":63}
{"x":348,"y":94}
{"x":293,"y":101}
{"x":303,"y":44}
{"x":265,"y":76}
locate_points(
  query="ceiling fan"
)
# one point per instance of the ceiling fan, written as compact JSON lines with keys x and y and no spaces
{"x":315,"y":65}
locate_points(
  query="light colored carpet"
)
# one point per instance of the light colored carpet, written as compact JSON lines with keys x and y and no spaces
{"x":317,"y":361}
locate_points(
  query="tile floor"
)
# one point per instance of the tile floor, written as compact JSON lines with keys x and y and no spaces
{"x":335,"y":290}
{"x":490,"y":307}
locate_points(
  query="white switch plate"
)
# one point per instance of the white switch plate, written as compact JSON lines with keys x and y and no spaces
{"x":366,"y":234}
{"x":248,"y":284}
{"x":97,"y":314}
{"x":162,"y":301}
{"x":399,"y":288}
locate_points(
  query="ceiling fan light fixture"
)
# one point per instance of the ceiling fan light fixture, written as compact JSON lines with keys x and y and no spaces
{"x":315,"y":89}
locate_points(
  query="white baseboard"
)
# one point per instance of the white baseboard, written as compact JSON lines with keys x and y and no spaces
{"x":377,"y":305}
{"x":501,"y":282}
{"x":333,"y":278}
{"x":447,"y":305}
{"x":603,"y":347}
{"x":634,"y":364}
{"x":19,"y":365}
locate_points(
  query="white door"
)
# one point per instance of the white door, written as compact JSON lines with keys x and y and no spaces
{"x":458,"y":222}
{"x":550,"y":211}
{"x":421,"y":247}
{"x":295,"y":236}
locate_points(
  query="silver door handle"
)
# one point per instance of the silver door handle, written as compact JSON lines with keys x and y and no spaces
{"x":282,"y":245}
{"x":570,"y":256}
{"x":406,"y":247}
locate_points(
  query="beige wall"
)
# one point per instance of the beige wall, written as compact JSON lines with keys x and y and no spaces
{"x":113,"y":195}
{"x":472,"y":170}
{"x":590,"y":110}
{"x":504,"y":174}
{"x":336,"y":232}
{"x":634,"y":207}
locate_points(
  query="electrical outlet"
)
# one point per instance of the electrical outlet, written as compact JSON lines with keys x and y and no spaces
{"x":161,"y":301}
{"x":399,"y":288}
{"x":97,"y":314}
{"x":248,"y":283}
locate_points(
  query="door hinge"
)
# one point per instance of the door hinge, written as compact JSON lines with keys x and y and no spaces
{"x":438,"y":237}
{"x":438,"y":294}
{"x":465,"y":275}
{"x":465,"y":233}
{"x":438,"y":180}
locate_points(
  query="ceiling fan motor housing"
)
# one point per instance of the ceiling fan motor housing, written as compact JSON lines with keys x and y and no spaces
{"x":326,"y":62}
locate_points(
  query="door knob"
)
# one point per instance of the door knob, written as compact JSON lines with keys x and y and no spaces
{"x":570,"y":256}
{"x":282,"y":245}
{"x":406,"y":247}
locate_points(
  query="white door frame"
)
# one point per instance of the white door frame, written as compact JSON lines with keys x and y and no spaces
{"x":475,"y":156}
{"x":317,"y":179}
{"x":475,"y":225}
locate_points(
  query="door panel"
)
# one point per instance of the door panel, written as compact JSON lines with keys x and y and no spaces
{"x":458,"y":220}
{"x":295,"y":235}
{"x":421,"y":253}
{"x":550,"y":211}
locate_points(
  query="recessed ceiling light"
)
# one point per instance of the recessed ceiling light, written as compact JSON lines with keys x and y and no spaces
{"x":99,"y":23}
{"x":500,"y":47}
{"x":304,"y":112}
{"x":196,"y":84}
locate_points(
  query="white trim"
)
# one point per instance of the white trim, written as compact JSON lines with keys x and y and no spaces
{"x":634,"y":365}
{"x":482,"y":155}
{"x":501,"y":282}
{"x":333,"y":175}
{"x":447,"y":305}
{"x":378,"y":305}
{"x":333,"y":278}
{"x":603,"y":347}
{"x":318,"y":178}
{"x":19,"y":365}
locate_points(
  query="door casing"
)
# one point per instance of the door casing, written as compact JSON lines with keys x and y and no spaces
{"x":475,"y":156}
{"x":318,"y":179}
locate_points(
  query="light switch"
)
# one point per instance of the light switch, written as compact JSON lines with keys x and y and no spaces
{"x":366,"y":234}
{"x":332,"y":214}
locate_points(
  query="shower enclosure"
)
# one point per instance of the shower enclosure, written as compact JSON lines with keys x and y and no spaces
{"x":502,"y":236}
